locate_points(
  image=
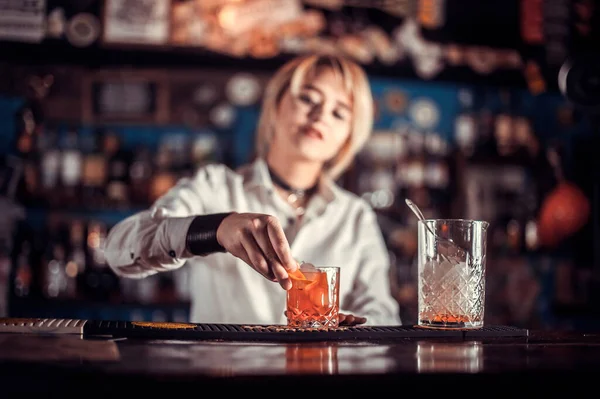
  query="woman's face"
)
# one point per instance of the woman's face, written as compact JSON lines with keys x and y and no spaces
{"x":314,"y":125}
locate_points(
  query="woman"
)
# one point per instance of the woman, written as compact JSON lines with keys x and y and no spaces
{"x":242,"y":230}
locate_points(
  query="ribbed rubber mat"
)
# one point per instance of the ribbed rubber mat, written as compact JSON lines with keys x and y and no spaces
{"x":191,"y":331}
{"x":41,"y":325}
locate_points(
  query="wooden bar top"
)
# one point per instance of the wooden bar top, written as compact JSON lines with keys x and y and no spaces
{"x":72,"y":364}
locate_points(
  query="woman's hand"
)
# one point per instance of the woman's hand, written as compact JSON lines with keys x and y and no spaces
{"x":351,"y":320}
{"x":259,"y":240}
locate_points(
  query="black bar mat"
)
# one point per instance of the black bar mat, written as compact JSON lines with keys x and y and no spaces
{"x":280,"y":333}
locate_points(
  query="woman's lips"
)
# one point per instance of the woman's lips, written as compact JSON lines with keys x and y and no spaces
{"x":314,"y":133}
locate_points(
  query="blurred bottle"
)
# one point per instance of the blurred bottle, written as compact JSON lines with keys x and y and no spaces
{"x":53,"y":268}
{"x":23,"y":275}
{"x":70,"y":168}
{"x":25,"y":132}
{"x":100,"y":282}
{"x":94,"y":172}
{"x":5,"y":263}
{"x":485,"y":146}
{"x":50,"y":168}
{"x":465,"y":124}
{"x":140,"y":173}
{"x":76,"y":258}
{"x":164,"y":176}
{"x":504,"y":126}
{"x":117,"y":192}
{"x":205,"y":148}
{"x":28,"y":190}
{"x":178,"y":145}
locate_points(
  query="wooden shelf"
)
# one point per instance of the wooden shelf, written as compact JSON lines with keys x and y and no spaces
{"x":55,"y":52}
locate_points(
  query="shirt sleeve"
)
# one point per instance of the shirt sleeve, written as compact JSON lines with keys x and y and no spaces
{"x":371,"y":294}
{"x":153,"y":240}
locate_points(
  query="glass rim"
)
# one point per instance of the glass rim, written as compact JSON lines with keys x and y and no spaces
{"x":450,"y":220}
{"x":326,"y":267}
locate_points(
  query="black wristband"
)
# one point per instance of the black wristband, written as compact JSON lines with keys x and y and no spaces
{"x":201,"y":238}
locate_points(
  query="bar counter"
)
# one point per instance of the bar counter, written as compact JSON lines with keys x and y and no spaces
{"x":73,"y":364}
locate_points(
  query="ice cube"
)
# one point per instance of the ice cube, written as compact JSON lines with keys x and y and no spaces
{"x":307,"y":267}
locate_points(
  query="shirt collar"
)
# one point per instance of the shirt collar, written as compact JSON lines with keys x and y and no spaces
{"x":256,"y":174}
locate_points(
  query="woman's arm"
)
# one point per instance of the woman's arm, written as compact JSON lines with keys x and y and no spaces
{"x":164,"y":236}
{"x":177,"y":228}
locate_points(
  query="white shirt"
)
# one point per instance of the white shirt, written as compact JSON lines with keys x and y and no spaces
{"x":338,"y":229}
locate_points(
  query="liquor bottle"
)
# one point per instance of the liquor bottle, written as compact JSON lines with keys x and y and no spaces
{"x":53,"y":268}
{"x":140,"y":173}
{"x":25,"y":149}
{"x":25,"y":137}
{"x":29,"y":188}
{"x":94,"y":172}
{"x":23,"y":272}
{"x":178,"y":146}
{"x":485,"y":145}
{"x":205,"y":148}
{"x":50,"y":168}
{"x":117,"y":193}
{"x":504,"y":127}
{"x":164,"y":177}
{"x":5,"y":263}
{"x":76,"y":258}
{"x":465,"y":124}
{"x":71,"y":167}
{"x":100,"y":281}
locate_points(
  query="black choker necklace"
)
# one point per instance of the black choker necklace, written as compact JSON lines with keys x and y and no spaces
{"x":295,"y":193}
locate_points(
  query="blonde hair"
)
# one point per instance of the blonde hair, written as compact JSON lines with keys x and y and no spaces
{"x":291,"y":76}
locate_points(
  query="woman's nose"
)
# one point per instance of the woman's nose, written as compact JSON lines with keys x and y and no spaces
{"x":316,"y":112}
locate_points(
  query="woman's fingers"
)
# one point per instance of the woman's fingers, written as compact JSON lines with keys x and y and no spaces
{"x":270,"y":256}
{"x":255,"y":256}
{"x":280,"y":244}
{"x":260,"y":241}
{"x":243,"y":255}
{"x":350,"y":320}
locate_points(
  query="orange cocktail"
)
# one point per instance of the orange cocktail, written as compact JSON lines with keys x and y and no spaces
{"x":313,"y":301}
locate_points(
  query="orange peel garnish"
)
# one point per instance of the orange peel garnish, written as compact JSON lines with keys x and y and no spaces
{"x":297,"y":275}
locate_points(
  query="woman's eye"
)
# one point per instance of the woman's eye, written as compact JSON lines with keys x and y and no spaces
{"x":339,"y":115}
{"x":306,"y":99}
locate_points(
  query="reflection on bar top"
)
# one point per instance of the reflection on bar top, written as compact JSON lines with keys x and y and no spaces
{"x":21,"y":347}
